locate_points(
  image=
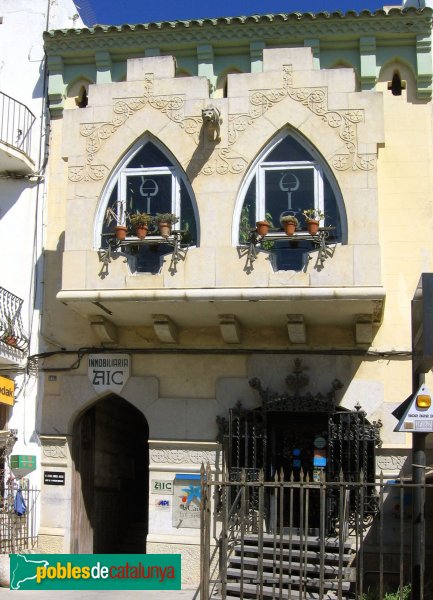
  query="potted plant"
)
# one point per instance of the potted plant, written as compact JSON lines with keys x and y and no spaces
{"x":313,"y":216}
{"x":262,"y":227}
{"x":118,"y":214}
{"x":165,"y":221}
{"x":140,"y":222}
{"x":289,"y":224}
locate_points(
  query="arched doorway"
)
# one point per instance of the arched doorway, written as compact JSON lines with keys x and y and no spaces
{"x":110,"y":482}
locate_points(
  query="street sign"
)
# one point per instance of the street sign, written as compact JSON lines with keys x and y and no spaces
{"x":416,"y":413}
{"x":54,"y":478}
{"x":109,"y":372}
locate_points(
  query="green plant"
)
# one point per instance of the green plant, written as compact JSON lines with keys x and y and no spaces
{"x":289,"y":219}
{"x":116,"y":212}
{"x":313,"y":214}
{"x":373,"y":594}
{"x":139,"y":219}
{"x":244,"y":225}
{"x":165,"y":218}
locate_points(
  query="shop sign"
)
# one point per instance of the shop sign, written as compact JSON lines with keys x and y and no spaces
{"x":186,"y":501}
{"x":109,"y":372}
{"x":54,"y":478}
{"x":162,"y":486}
{"x":22,"y":464}
{"x":7,"y":391}
{"x":416,"y":413}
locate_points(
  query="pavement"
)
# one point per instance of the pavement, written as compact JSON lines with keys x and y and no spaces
{"x":187,"y":593}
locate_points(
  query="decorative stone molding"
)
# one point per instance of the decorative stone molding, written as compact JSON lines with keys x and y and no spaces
{"x":315,"y":99}
{"x":181,"y":456}
{"x":54,"y":450}
{"x":391,"y":463}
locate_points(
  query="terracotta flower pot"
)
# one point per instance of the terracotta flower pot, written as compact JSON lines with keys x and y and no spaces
{"x":121,"y":232}
{"x":313,"y":227}
{"x":262,"y":227}
{"x":141,"y":231}
{"x":164,"y":229}
{"x":289,"y":228}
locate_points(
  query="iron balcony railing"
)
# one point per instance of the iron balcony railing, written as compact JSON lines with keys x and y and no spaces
{"x":16,"y":122}
{"x":11,"y":326}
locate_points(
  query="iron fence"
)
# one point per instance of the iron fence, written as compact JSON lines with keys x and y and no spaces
{"x":16,"y":122}
{"x":18,"y":533}
{"x":11,"y":325}
{"x":273,"y":539}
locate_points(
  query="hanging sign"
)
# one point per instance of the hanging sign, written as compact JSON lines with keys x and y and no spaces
{"x":109,"y":372}
{"x":7,"y":391}
{"x":416,"y":413}
{"x":162,"y":486}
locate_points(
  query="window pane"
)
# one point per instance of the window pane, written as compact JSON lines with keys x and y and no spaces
{"x":151,"y":194}
{"x":288,"y":191}
{"x":332,"y":215}
{"x":288,"y":150}
{"x":149,"y":156}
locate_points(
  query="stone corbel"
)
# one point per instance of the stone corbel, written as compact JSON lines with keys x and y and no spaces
{"x":230,"y":329}
{"x":164,"y":328}
{"x":104,"y":329}
{"x":296,"y":329}
{"x":364,"y":329}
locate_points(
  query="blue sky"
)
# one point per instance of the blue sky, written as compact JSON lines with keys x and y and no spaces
{"x":116,"y":12}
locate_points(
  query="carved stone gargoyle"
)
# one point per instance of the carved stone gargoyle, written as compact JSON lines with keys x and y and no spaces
{"x":211,"y":123}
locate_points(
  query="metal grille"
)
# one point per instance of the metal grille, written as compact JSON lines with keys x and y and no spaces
{"x":18,"y":533}
{"x":11,"y":326}
{"x":265,"y":558}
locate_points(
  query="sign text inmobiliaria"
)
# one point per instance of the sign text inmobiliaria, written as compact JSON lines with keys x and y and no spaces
{"x":109,"y":372}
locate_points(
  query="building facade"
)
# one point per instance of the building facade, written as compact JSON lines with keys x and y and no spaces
{"x":224,"y":123}
{"x":24,"y":139}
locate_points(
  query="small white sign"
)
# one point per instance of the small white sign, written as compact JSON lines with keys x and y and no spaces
{"x":418,"y":416}
{"x":162,"y":486}
{"x":109,"y":372}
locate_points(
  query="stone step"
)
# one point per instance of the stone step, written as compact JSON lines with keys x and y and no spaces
{"x":286,"y":565}
{"x":310,"y":555}
{"x":250,"y":591}
{"x":251,"y":576}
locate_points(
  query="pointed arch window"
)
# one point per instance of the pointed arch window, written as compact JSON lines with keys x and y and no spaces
{"x":288,"y":178}
{"x":149,"y":180}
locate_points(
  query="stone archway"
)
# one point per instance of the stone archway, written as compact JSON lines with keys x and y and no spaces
{"x":110,"y":481}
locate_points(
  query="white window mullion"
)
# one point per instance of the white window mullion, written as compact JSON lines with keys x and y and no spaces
{"x":260,"y":194}
{"x":319,"y":195}
{"x":175,"y":196}
{"x":121,"y":199}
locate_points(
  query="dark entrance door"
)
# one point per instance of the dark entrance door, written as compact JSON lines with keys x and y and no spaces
{"x":110,"y":492}
{"x":293,"y":442}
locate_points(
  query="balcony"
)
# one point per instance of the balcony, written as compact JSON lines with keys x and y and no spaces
{"x":16,"y":122}
{"x":14,"y":342}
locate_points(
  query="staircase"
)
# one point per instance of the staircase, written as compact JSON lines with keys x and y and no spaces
{"x":296,"y":569}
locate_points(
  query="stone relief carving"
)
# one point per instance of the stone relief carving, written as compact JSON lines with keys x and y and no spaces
{"x":212,"y":120}
{"x":390,"y":463}
{"x":176,"y":456}
{"x":53,"y":449}
{"x":173,"y":106}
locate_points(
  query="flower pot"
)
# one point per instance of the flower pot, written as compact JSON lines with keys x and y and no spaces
{"x":289,"y":228}
{"x":164,"y":229}
{"x":11,"y":340}
{"x":262,"y":228}
{"x":141,"y":231}
{"x":313,"y":227}
{"x":121,"y":232}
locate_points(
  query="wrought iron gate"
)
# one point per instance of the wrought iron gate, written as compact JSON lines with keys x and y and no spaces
{"x":281,"y":435}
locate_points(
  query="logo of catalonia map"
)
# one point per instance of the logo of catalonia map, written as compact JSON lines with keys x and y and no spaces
{"x":23,"y":569}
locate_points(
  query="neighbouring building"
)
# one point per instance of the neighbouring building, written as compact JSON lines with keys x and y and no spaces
{"x":157,"y":339}
{"x":24,"y":139}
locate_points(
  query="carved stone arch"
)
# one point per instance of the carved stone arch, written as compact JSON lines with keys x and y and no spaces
{"x":123,"y":158}
{"x":265,"y":150}
{"x":76,"y":92}
{"x":405,"y":72}
{"x":110,"y":469}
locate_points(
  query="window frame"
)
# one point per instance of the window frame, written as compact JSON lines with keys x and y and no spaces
{"x":260,"y":166}
{"x":116,"y":177}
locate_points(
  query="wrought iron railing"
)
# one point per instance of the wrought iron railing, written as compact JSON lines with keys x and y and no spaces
{"x":16,"y":122}
{"x":274,"y":540}
{"x":18,"y":533}
{"x":11,"y":326}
